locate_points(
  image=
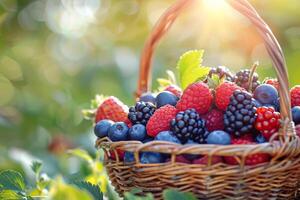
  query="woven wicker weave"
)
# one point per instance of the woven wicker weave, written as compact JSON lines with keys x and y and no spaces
{"x":278,"y":179}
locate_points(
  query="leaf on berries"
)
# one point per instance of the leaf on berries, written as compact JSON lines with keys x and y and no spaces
{"x":190,"y":68}
{"x":214,"y":81}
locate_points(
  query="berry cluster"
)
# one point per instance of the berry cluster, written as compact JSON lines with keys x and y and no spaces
{"x":228,"y":113}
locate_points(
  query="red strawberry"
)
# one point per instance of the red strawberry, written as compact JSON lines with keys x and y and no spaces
{"x":112,"y":108}
{"x":253,"y":159}
{"x":267,"y":121}
{"x":273,"y":82}
{"x":203,"y":160}
{"x":214,"y":120}
{"x":223,"y":94}
{"x":197,"y":96}
{"x":295,"y":96}
{"x":174,"y":89}
{"x":160,"y":120}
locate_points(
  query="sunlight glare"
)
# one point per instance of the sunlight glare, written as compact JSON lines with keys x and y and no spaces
{"x":214,"y":5}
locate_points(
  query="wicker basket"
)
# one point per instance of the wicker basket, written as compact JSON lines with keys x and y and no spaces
{"x":278,"y":179}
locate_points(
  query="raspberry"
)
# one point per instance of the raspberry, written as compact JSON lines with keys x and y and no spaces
{"x":214,"y":120}
{"x":188,"y":125}
{"x":267,"y":121}
{"x":252,"y":159}
{"x":242,"y":79}
{"x":273,"y":82}
{"x":221,"y":72}
{"x":141,"y":112}
{"x":223,"y":94}
{"x":113,"y":109}
{"x":240,"y":114}
{"x":197,"y":96}
{"x":174,"y":89}
{"x":295,"y":96}
{"x":160,"y":120}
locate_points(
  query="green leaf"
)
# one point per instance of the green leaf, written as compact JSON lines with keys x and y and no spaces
{"x":11,"y":180}
{"x":170,"y":194}
{"x":81,"y":154}
{"x":61,"y":191}
{"x":91,"y":188}
{"x":11,"y":195}
{"x":36,"y":167}
{"x":190,"y":68}
{"x":134,"y":196}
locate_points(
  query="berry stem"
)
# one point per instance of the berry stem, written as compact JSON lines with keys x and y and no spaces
{"x":252,"y":71}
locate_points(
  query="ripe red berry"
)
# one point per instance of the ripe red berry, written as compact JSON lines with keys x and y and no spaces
{"x":160,"y":120}
{"x":174,"y":89}
{"x":113,"y":109}
{"x":223,"y":94}
{"x":119,"y":152}
{"x":272,"y":81}
{"x":252,"y":159}
{"x":267,"y":121}
{"x":295,"y":96}
{"x":214,"y":120}
{"x":197,"y":96}
{"x":204,"y":160}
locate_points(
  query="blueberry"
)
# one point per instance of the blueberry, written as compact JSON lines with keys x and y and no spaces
{"x":165,"y":98}
{"x":266,"y":94}
{"x":167,"y":136}
{"x":118,"y":132}
{"x":256,"y":103}
{"x":129,"y":157}
{"x":148,"y":97}
{"x":191,"y":157}
{"x":151,"y":157}
{"x":296,"y":114}
{"x":102,"y":127}
{"x":260,"y":139}
{"x":218,"y":137}
{"x":137,"y":132}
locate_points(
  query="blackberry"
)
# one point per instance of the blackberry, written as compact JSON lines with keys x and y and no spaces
{"x":222,"y":72}
{"x":240,"y":114}
{"x":188,"y":125}
{"x":141,"y":112}
{"x":242,"y":79}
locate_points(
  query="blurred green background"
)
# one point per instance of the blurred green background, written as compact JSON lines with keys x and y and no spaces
{"x":55,"y":55}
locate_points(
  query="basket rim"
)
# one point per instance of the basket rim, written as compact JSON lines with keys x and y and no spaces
{"x":276,"y":148}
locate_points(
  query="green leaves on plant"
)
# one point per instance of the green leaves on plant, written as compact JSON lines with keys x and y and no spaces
{"x":61,"y":191}
{"x":80,"y":153}
{"x":170,"y":194}
{"x":91,"y":188}
{"x":190,"y":68}
{"x":12,"y":195}
{"x":36,"y":167}
{"x":11,"y":180}
{"x":133,"y":195}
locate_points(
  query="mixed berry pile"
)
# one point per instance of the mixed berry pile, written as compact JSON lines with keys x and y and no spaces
{"x":222,"y":108}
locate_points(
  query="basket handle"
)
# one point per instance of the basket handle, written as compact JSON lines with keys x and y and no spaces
{"x":246,"y":9}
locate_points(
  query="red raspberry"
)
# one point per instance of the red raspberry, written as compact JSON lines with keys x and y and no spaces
{"x":214,"y":120}
{"x":160,"y":120}
{"x":295,"y":96}
{"x":252,"y":159}
{"x":112,"y":108}
{"x":174,"y":89}
{"x":182,"y":159}
{"x":223,"y":94}
{"x":267,"y":121}
{"x":272,"y":81}
{"x":197,"y":96}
